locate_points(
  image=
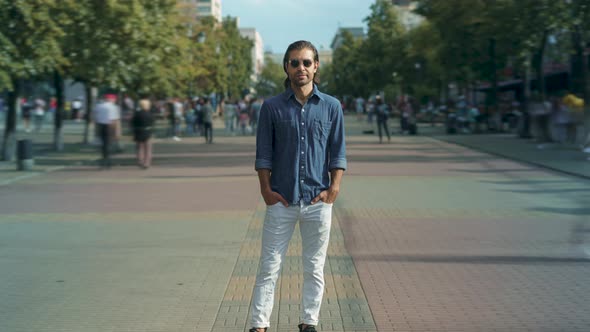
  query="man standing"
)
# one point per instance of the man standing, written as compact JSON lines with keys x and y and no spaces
{"x":207,"y":111}
{"x":382,"y":115}
{"x":300,"y":160}
{"x":106,"y":116}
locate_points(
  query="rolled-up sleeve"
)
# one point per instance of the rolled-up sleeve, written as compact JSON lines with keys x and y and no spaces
{"x":264,"y":137}
{"x":337,"y":143}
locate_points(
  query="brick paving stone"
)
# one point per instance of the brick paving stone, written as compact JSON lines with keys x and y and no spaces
{"x":464,"y":244}
{"x":427,"y":236}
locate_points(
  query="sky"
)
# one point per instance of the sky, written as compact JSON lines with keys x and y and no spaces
{"x":281,"y":22}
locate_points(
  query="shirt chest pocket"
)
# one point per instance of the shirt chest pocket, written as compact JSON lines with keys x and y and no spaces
{"x":321,"y":131}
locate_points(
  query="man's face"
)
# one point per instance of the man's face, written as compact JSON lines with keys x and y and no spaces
{"x":301,"y":67}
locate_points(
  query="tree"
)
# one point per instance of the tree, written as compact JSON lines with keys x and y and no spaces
{"x":29,"y":40}
{"x":578,"y":14}
{"x":384,"y":42}
{"x":142,"y":55}
{"x":237,"y":51}
{"x":270,"y":80}
{"x":348,"y":76}
{"x":422,"y":68}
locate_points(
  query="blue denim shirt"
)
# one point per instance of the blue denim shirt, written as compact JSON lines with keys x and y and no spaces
{"x":300,"y":144}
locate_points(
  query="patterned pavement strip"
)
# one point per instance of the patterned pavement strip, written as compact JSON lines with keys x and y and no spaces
{"x":344,"y":307}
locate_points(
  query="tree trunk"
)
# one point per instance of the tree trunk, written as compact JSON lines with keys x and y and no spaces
{"x":581,"y":82}
{"x":88,"y":114}
{"x":537,"y":60}
{"x":9,"y":142}
{"x":492,"y":54}
{"x":525,"y":120}
{"x":58,"y":81}
{"x":586,"y":94}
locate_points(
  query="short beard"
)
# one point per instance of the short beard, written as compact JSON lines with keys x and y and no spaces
{"x":300,"y":84}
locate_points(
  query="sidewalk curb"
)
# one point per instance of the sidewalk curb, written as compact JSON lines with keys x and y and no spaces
{"x":31,"y":174}
{"x":506,"y":156}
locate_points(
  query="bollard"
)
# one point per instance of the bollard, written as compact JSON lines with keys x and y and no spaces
{"x":25,"y":155}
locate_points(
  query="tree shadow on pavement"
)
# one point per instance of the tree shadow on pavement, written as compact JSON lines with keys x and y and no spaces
{"x":525,"y":182}
{"x":493,"y":171}
{"x":551,"y":191}
{"x":476,"y":259}
{"x":584,"y":211}
{"x":413,"y":159}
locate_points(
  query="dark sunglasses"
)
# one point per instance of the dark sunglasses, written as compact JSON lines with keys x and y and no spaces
{"x":295,"y":63}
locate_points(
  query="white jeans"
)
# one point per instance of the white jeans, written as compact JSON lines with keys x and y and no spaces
{"x":279,"y":223}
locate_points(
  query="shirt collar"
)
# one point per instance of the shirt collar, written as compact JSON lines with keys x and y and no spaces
{"x":289,"y":93}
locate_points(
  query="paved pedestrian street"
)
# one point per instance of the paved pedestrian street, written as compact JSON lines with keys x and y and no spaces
{"x":426,"y":236}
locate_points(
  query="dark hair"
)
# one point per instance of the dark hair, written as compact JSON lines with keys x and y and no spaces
{"x":301,"y":45}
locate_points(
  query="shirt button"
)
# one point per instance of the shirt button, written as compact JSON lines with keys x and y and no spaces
{"x":302,"y":167}
{"x":302,"y":152}
{"x":302,"y":137}
{"x":303,"y":110}
{"x":301,"y":181}
{"x":303,"y":123}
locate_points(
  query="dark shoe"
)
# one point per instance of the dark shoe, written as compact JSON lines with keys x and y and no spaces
{"x":254,"y":329}
{"x":308,"y":328}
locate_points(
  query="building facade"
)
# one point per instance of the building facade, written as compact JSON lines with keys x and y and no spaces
{"x":408,"y":18}
{"x":339,"y":38}
{"x":197,"y":9}
{"x":257,"y":50}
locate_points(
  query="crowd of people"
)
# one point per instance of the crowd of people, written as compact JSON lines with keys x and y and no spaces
{"x":559,"y":119}
{"x":185,"y":117}
{"x":194,"y":117}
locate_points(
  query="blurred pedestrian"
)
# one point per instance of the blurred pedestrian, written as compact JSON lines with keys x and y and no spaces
{"x":230,"y":114}
{"x":300,"y":160}
{"x":175,"y":114}
{"x":142,"y":123}
{"x":540,"y":112}
{"x":39,"y":114}
{"x":359,"y":104}
{"x":560,"y":119}
{"x":406,"y":112}
{"x":207,"y":111}
{"x":198,"y":111}
{"x":244,"y":120}
{"x":189,"y":118}
{"x":178,"y":115}
{"x":255,"y":113}
{"x":106,"y":116}
{"x":370,"y":108}
{"x":382,"y":116}
{"x":77,"y":109}
{"x":26,"y":110}
{"x":117,"y":127}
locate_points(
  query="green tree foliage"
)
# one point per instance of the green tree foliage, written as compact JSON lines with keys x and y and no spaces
{"x":29,"y":40}
{"x":237,"y":51}
{"x":385,"y":41}
{"x":348,"y":74}
{"x":270,"y":80}
{"x":29,"y":47}
{"x":421,"y":68}
{"x":137,"y":56}
{"x":209,"y":67}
